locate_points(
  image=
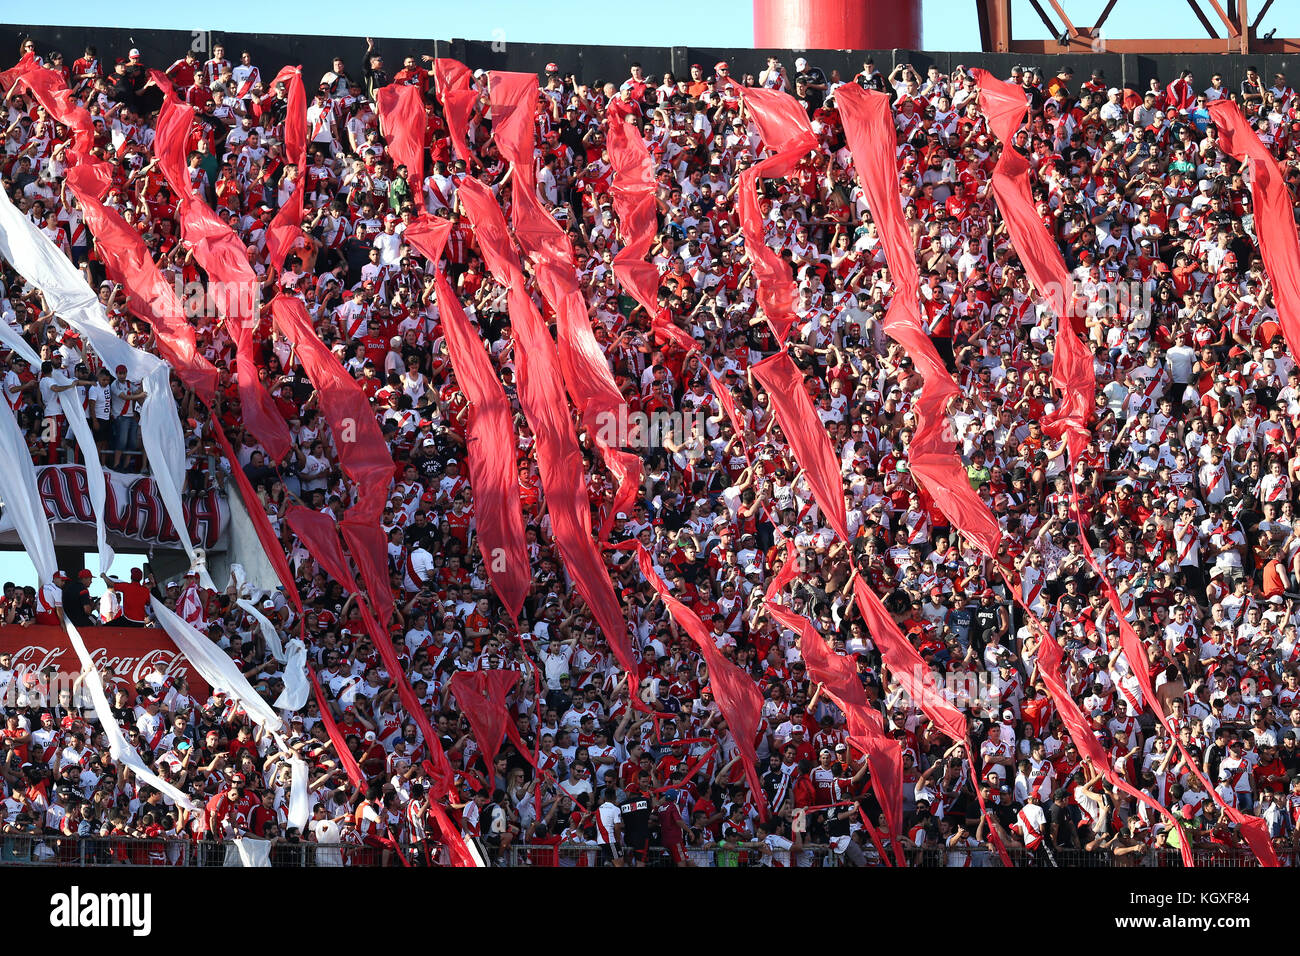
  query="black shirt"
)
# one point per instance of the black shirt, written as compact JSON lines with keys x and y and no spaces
{"x":263,"y":475}
{"x":356,"y":254}
{"x":984,"y":621}
{"x":811,"y":75}
{"x":1062,"y":817}
{"x":636,"y":819}
{"x":75,"y":597}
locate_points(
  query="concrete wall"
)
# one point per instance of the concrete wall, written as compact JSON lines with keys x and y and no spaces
{"x":592,"y":63}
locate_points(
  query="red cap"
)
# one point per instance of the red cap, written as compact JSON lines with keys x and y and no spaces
{"x":85,"y":573}
{"x":552,"y":68}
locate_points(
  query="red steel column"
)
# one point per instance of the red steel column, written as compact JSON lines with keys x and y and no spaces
{"x":837,"y":24}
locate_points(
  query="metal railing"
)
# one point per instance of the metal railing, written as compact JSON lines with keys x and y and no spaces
{"x":1205,"y":857}
{"x":38,"y":850}
{"x":22,"y":849}
{"x":706,"y":855}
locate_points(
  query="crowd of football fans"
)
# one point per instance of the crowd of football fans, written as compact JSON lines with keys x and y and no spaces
{"x":1187,"y":491}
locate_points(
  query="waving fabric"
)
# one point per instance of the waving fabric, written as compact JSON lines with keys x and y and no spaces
{"x":633,"y":194}
{"x":806,"y":435}
{"x":285,"y":230}
{"x":1272,"y":202}
{"x":587,"y":376}
{"x":738,"y":696}
{"x":233,"y":285}
{"x":402,"y":120}
{"x":839,"y":678}
{"x":869,"y":131}
{"x":1004,"y":106}
{"x":491,"y":449}
{"x":481,"y":695}
{"x":783,"y":126}
{"x":363,"y":453}
{"x":541,"y":392}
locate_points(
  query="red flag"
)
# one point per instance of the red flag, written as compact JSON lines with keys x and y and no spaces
{"x":633,"y":193}
{"x":806,"y":435}
{"x":541,"y":393}
{"x":789,"y":568}
{"x":232,"y":282}
{"x":587,"y":375}
{"x":1072,"y":372}
{"x":839,"y":678}
{"x":869,"y":131}
{"x":1274,"y":220}
{"x":319,"y":534}
{"x":491,"y":449}
{"x":1049,"y":668}
{"x":728,"y":403}
{"x":457,"y":107}
{"x":350,"y":765}
{"x":10,"y":77}
{"x":368,"y":546}
{"x":514,"y":107}
{"x":49,"y":89}
{"x":403,"y":120}
{"x":450,"y":74}
{"x":149,"y":295}
{"x":1253,"y":828}
{"x":784,"y":129}
{"x":453,"y":88}
{"x":428,"y":234}
{"x":481,"y":696}
{"x":905,"y":663}
{"x":363,"y":452}
{"x":737,"y":695}
{"x":285,"y":230}
{"x":937,"y":469}
{"x":119,"y":246}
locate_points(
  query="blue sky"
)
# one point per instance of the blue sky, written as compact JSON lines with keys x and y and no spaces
{"x":947,"y":24}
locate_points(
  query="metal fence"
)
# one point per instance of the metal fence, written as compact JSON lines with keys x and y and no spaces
{"x":708,"y":855}
{"x":34,"y":850}
{"x":42,"y":850}
{"x":1208,"y":858}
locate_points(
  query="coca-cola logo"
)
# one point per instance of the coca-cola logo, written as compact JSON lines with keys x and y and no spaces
{"x":117,"y":668}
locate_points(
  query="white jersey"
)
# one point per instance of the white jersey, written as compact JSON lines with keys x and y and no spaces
{"x":607,"y":818}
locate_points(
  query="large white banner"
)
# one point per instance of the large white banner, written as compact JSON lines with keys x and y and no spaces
{"x":133,"y":507}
